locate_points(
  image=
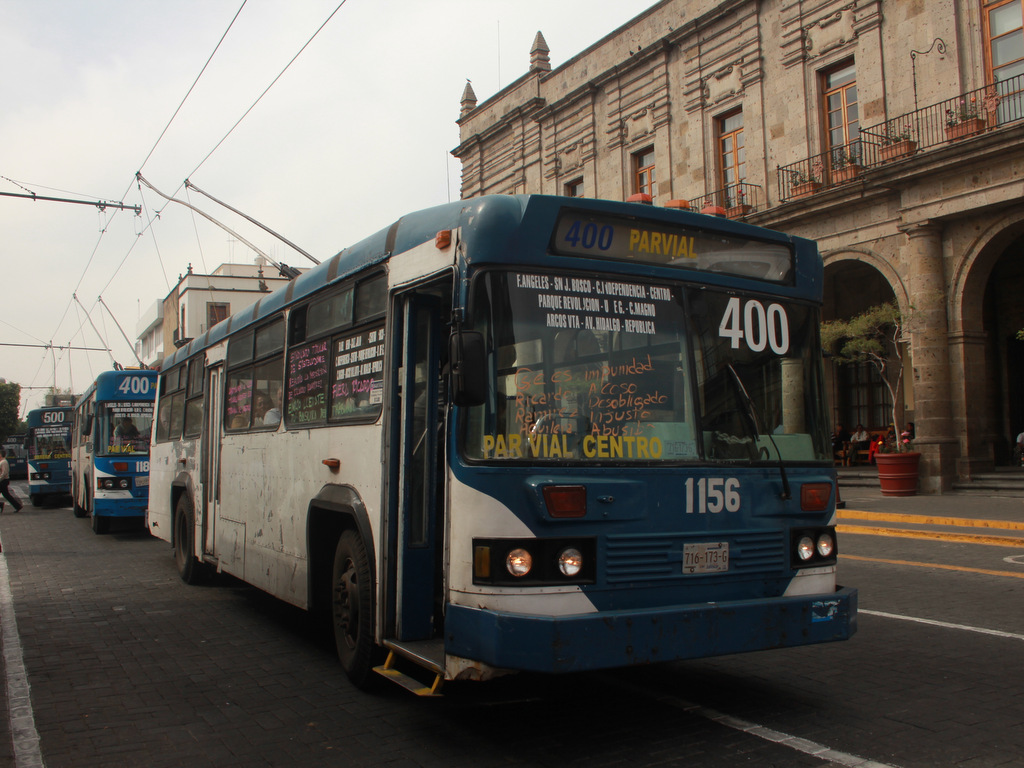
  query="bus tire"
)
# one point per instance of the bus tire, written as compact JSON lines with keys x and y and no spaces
{"x":352,"y":608}
{"x":100,"y":525}
{"x":79,"y":510}
{"x":189,"y":568}
{"x":37,"y":500}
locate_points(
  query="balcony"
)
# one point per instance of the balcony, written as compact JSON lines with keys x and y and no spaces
{"x":947,"y":122}
{"x":736,"y":200}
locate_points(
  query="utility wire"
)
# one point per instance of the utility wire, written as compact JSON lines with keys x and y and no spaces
{"x":191,"y":88}
{"x":273,"y":82}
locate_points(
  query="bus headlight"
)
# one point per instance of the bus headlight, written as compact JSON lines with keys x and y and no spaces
{"x":535,"y":562}
{"x":519,"y":562}
{"x":811,"y":547}
{"x":570,"y":561}
{"x":805,"y":548}
{"x":123,"y":483}
{"x":826,"y":545}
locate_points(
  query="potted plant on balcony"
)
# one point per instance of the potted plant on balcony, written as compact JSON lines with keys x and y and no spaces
{"x":896,"y":143}
{"x":875,"y":337}
{"x":804,"y":184}
{"x":738,"y":206}
{"x":966,"y":120}
{"x":845,"y":166}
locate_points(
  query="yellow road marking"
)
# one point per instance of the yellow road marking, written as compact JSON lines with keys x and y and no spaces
{"x":961,"y":522}
{"x":984,"y":571}
{"x":966,"y":538}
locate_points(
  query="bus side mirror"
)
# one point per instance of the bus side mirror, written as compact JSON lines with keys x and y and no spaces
{"x":468,"y":360}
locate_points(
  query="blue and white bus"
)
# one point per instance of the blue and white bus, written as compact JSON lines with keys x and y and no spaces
{"x":110,"y":463}
{"x":48,"y":443}
{"x":17,"y":456}
{"x":520,"y":433}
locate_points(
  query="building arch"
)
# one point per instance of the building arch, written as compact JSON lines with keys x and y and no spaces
{"x":837,"y":263}
{"x":987,"y":359}
{"x":857,"y":279}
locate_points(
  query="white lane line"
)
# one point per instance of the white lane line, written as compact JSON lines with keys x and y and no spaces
{"x":945,"y":624}
{"x":806,"y":746}
{"x":24,"y":736}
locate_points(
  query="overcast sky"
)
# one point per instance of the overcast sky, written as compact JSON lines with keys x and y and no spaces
{"x":357,"y":132}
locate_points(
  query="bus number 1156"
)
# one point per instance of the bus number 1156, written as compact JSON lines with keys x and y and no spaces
{"x":713,"y":494}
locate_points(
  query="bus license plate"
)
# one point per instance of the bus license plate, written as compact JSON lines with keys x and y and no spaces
{"x":141,"y":482}
{"x":706,"y":557}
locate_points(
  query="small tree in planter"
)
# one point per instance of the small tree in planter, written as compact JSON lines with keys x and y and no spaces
{"x":874,"y":337}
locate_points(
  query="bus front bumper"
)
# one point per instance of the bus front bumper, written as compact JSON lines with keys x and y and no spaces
{"x":124,"y":507}
{"x":625,"y":638}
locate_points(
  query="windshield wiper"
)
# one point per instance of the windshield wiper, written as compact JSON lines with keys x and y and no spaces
{"x":752,"y":415}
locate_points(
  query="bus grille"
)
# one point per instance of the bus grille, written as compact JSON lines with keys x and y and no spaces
{"x":659,"y":557}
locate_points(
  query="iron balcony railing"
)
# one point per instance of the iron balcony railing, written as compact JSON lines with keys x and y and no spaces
{"x":738,"y":200}
{"x":969,"y":114}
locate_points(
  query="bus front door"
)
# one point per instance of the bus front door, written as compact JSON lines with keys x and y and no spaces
{"x":416,"y":510}
{"x":210,"y":466}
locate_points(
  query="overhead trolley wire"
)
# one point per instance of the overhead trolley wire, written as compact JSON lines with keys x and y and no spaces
{"x":267,"y":89}
{"x":189,"y":93}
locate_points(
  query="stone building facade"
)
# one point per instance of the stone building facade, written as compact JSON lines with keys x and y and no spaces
{"x":889,"y":131}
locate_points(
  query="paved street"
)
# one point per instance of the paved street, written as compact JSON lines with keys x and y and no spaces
{"x":128,"y":666}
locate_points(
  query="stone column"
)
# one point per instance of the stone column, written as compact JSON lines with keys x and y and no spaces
{"x":928,"y":327}
{"x":793,"y":407}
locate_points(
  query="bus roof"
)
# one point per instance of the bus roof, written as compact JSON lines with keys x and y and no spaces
{"x":107,"y":382}
{"x":35,"y":416}
{"x":501,"y":229}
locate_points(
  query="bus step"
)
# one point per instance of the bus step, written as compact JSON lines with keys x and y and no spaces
{"x":422,"y":661}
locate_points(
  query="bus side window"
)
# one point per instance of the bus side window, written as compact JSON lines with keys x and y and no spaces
{"x":194,"y":397}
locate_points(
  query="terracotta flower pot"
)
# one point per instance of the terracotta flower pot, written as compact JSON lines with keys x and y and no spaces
{"x":805,"y":189}
{"x":738,"y":211}
{"x":902,"y":148}
{"x":965,"y":128}
{"x":846,"y":173}
{"x":898,"y":473}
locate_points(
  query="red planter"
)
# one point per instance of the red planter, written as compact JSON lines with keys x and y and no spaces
{"x":965,"y":128}
{"x":898,"y":473}
{"x":846,"y":173}
{"x":902,"y":148}
{"x":805,"y":189}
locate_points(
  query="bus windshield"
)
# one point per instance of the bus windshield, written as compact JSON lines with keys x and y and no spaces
{"x":50,"y":441}
{"x":598,"y":369}
{"x":759,"y":379}
{"x":123,"y":428}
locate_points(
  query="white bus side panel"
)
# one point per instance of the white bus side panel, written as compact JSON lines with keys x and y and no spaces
{"x":267,"y":483}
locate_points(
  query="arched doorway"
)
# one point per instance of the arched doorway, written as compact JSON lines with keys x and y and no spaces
{"x":858,"y":394}
{"x":990,"y":312}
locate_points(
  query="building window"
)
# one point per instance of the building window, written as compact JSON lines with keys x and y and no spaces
{"x":574,"y":188}
{"x":1004,"y":39}
{"x":841,"y":114}
{"x":643,"y":172}
{"x":732,"y":166}
{"x":215,"y":313}
{"x":864,"y":398}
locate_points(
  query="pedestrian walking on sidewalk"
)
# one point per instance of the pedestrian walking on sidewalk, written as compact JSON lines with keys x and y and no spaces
{"x":5,"y":482}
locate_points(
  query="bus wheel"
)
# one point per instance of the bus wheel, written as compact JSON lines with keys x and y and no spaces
{"x":100,"y":524}
{"x":80,"y":511}
{"x":189,"y":568}
{"x":352,"y":607}
{"x":37,"y":500}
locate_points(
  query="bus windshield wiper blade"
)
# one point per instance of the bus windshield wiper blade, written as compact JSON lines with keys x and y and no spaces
{"x":752,"y":414}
